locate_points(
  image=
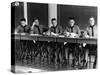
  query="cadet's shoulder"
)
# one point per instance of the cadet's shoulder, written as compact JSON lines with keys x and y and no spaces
{"x":67,"y":27}
{"x":35,"y":27}
{"x":88,"y":26}
{"x":76,"y":26}
{"x":40,"y":26}
{"x":28,"y":26}
{"x":59,"y":26}
{"x":19,"y":26}
{"x":52,"y":27}
{"x":96,"y":26}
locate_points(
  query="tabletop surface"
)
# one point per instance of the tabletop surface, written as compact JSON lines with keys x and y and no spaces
{"x":60,"y":38}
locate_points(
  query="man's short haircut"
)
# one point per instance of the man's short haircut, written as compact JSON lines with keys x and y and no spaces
{"x":71,"y":18}
{"x":35,"y":19}
{"x":53,"y":19}
{"x":23,"y":19}
{"x":92,"y":17}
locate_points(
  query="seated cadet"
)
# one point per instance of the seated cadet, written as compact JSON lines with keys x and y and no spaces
{"x":36,"y":28}
{"x":91,"y":49}
{"x":56,"y":30}
{"x":22,"y":28}
{"x":72,"y":31}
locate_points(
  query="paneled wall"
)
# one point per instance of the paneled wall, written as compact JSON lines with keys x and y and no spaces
{"x":37,"y":10}
{"x":80,"y":13}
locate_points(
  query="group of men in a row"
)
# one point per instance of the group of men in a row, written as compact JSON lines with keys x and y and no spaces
{"x":71,"y":30}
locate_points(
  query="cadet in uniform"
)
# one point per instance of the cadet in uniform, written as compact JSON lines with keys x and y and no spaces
{"x":22,"y":28}
{"x":56,"y":30}
{"x":36,"y":28}
{"x":25,"y":45}
{"x":91,"y":49}
{"x":71,"y":48}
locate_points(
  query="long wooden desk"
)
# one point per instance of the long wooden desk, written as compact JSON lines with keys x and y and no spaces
{"x":54,"y":38}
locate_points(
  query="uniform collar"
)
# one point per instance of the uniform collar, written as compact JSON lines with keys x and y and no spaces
{"x":36,"y":25}
{"x":71,"y":26}
{"x":55,"y":26}
{"x":92,"y":26}
{"x":23,"y":26}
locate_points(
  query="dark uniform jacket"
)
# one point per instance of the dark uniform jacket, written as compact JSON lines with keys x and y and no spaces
{"x":39,"y":29}
{"x":23,"y":29}
{"x":58,"y":29}
{"x":75,"y":29}
{"x":92,"y":33}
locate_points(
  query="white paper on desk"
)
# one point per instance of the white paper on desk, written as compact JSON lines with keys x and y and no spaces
{"x":61,"y":35}
{"x":35,"y":34}
{"x":65,"y":43}
{"x":73,"y":35}
{"x":21,"y":33}
{"x":54,"y":34}
{"x":34,"y":41}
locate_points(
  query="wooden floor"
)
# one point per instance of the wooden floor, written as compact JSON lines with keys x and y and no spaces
{"x":38,"y":66}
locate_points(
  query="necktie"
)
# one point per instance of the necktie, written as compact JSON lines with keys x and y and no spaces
{"x":54,"y":29}
{"x":38,"y":30}
{"x":92,"y":31}
{"x":71,"y":29}
{"x":24,"y":29}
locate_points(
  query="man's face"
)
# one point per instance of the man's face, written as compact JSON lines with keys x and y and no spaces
{"x":91,"y":21}
{"x":37,"y":22}
{"x":23,"y":23}
{"x":71,"y":22}
{"x":54,"y":22}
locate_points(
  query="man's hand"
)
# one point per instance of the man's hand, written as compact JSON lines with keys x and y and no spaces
{"x":33,"y":25}
{"x":66,"y":34}
{"x":73,"y":35}
{"x":84,"y":44}
{"x":47,"y":33}
{"x":54,"y":34}
{"x":87,"y":36}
